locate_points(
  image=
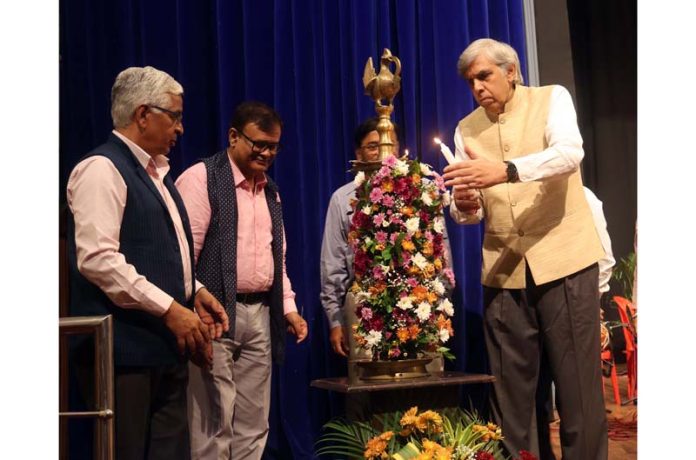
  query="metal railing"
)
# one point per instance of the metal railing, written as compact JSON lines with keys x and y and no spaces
{"x":102,"y":328}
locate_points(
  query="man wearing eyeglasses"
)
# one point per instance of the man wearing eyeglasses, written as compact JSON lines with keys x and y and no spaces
{"x":239,"y":248}
{"x":130,"y":256}
{"x":336,"y":268}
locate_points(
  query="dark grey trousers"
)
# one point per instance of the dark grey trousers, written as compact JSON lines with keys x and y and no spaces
{"x":150,"y":415}
{"x":561,"y":317}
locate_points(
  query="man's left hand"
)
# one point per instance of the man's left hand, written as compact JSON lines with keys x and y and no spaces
{"x":211,"y":313}
{"x":477,"y":172}
{"x":297,"y":325}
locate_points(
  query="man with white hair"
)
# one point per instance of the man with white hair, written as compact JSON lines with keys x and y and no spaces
{"x":540,"y":249}
{"x":130,"y":256}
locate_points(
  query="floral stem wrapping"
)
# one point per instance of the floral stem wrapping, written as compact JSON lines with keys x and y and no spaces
{"x":401,"y":275}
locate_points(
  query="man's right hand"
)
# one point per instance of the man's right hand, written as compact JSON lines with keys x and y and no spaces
{"x":338,"y":341}
{"x":190,"y":332}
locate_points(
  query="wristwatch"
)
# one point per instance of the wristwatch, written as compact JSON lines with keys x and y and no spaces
{"x":512,"y":175}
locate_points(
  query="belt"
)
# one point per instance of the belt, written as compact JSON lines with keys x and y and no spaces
{"x":253,"y":297}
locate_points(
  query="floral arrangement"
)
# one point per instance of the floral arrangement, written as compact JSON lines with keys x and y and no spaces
{"x":453,"y":434}
{"x":401,"y":274}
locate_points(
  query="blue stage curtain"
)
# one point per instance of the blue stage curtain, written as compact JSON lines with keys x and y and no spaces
{"x":306,"y":59}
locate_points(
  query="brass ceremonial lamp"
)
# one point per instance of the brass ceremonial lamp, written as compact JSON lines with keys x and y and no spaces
{"x":380,"y":86}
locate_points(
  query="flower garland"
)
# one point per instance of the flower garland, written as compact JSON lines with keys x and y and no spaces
{"x":401,"y":274}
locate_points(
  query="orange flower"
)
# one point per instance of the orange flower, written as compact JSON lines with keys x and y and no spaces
{"x":438,"y":264}
{"x":420,"y":293}
{"x":429,"y":271}
{"x":443,"y":323}
{"x":407,"y":211}
{"x":413,"y":331}
{"x":408,"y":421}
{"x":375,"y":447}
{"x":408,"y":245}
{"x":380,"y":246}
{"x":427,"y":249}
{"x":387,"y":186}
{"x":416,"y":179}
{"x":402,"y":334}
{"x":432,"y":297}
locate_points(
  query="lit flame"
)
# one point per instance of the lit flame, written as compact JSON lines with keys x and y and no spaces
{"x":437,"y":140}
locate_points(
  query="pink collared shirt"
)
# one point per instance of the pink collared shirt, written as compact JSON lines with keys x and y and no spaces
{"x":254,"y":235}
{"x":96,"y":196}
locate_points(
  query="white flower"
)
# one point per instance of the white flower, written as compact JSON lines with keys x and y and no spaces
{"x":361,"y":296}
{"x":439,"y":224}
{"x":419,"y":261}
{"x":412,"y":225}
{"x":446,"y":307}
{"x":444,"y":335}
{"x":373,"y":338}
{"x":423,"y":311}
{"x":359,"y":179}
{"x":426,"y":198}
{"x":405,"y":303}
{"x":367,"y":240}
{"x":367,"y":209}
{"x":386,"y":221}
{"x":425,"y":169}
{"x":438,"y":287}
{"x":401,"y":168}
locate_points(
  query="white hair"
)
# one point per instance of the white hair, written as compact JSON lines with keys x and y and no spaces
{"x":502,"y":54}
{"x":138,"y":86}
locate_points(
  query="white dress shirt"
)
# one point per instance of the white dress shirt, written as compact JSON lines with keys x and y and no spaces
{"x":562,"y":156}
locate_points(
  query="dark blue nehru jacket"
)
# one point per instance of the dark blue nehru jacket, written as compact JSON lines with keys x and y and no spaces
{"x":148,"y":241}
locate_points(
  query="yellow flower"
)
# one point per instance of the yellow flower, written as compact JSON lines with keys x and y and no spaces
{"x":429,"y":271}
{"x":387,"y":186}
{"x":375,"y":446}
{"x":431,"y":420}
{"x":415,"y":179}
{"x":409,"y":417}
{"x":427,"y":249}
{"x":438,"y":263}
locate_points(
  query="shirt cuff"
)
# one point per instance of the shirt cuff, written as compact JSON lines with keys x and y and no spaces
{"x":289,"y":306}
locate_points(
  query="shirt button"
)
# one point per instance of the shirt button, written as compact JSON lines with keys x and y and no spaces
{"x":513,"y":203}
{"x":520,"y":232}
{"x":502,"y":121}
{"x":506,"y":148}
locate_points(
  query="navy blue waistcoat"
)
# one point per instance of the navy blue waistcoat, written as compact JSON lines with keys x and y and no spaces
{"x":148,"y":241}
{"x":217,"y":262}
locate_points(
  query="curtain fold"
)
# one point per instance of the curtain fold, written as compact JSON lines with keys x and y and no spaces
{"x":305,"y":58}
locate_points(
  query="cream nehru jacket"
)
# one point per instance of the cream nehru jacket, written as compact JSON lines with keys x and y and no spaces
{"x":546,"y":224}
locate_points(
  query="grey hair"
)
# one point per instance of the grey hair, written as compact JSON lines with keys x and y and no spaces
{"x":138,"y":86}
{"x":502,"y":54}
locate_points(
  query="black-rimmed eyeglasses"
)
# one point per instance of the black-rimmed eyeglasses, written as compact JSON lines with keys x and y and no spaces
{"x":260,"y":146}
{"x":176,"y":117}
